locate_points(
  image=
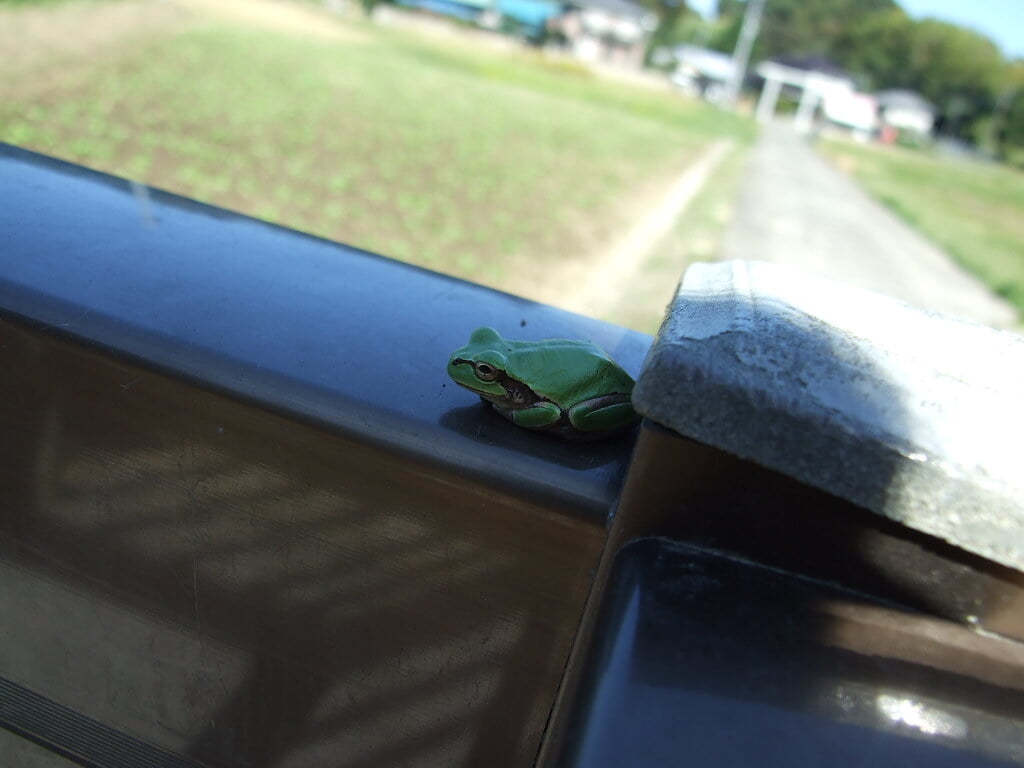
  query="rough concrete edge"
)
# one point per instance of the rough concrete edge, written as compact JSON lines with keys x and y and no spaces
{"x":874,"y":470}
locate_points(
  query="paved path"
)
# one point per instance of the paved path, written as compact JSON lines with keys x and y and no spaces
{"x":795,"y":209}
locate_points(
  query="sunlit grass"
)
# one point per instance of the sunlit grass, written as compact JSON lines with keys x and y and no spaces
{"x":975,"y":211}
{"x":484,"y":164}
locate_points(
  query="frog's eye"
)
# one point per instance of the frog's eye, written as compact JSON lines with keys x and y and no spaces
{"x":485,"y":371}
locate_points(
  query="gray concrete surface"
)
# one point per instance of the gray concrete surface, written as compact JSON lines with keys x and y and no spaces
{"x":795,"y":209}
{"x":913,"y":415}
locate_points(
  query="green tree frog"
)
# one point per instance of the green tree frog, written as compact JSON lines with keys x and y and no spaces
{"x":571,"y":388}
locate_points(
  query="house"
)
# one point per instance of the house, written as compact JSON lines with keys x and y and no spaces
{"x":906,"y":111}
{"x":611,"y":31}
{"x":527,"y":17}
{"x":703,"y":72}
{"x":851,"y":111}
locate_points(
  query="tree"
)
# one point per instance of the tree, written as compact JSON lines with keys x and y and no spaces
{"x":957,"y":69}
{"x":875,"y":47}
{"x":798,"y":27}
{"x":670,"y":13}
{"x":1007,"y":119}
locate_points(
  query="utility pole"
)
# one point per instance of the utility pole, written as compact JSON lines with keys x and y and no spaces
{"x":741,"y":54}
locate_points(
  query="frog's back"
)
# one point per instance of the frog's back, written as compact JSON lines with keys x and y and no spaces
{"x":562,"y":364}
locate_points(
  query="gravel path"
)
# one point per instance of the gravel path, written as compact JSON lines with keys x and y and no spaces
{"x":795,"y":209}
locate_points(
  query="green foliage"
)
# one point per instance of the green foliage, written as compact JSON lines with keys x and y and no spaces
{"x":956,"y":68}
{"x":801,"y":27}
{"x":688,"y":27}
{"x":1007,"y":125}
{"x":727,"y":33}
{"x":876,"y":47}
{"x":669,"y":13}
{"x":970,"y":209}
{"x":692,"y":28}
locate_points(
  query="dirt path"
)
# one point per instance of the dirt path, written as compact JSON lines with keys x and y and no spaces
{"x":614,"y":267}
{"x":40,"y":42}
{"x":795,"y":209}
{"x":292,"y":18}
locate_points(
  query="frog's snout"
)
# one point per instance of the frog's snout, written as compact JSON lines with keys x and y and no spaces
{"x":454,"y":363}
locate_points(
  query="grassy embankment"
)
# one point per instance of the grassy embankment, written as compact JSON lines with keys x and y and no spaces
{"x":974,"y":211}
{"x":486,"y":163}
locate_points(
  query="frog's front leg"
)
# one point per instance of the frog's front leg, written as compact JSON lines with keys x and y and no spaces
{"x":607,"y":412}
{"x":537,"y":416}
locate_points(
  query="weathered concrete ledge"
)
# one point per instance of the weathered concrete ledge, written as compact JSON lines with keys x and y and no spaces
{"x":913,"y":415}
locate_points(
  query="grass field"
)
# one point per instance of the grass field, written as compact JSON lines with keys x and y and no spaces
{"x":974,"y":211}
{"x":483,"y":163}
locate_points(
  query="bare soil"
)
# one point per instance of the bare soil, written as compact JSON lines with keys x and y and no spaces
{"x":290,"y":18}
{"x":41,"y":44}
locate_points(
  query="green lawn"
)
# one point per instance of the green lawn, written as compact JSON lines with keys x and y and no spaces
{"x":485,"y":164}
{"x":974,"y":211}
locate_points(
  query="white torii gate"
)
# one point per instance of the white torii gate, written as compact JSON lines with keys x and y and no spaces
{"x":814,"y":86}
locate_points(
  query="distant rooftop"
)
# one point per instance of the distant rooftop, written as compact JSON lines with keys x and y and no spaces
{"x":903,"y":99}
{"x":818,"y":64}
{"x":616,"y":7}
{"x":705,"y":61}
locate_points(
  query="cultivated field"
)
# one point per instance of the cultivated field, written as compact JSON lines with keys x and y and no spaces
{"x":482,"y":160}
{"x":974,"y":211}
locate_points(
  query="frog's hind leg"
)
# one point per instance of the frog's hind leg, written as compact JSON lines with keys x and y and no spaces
{"x":600,"y":414}
{"x":537,"y":416}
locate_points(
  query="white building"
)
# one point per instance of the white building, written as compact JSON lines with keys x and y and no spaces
{"x":824,"y":89}
{"x":906,"y":111}
{"x":612,"y":31}
{"x":703,"y":72}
